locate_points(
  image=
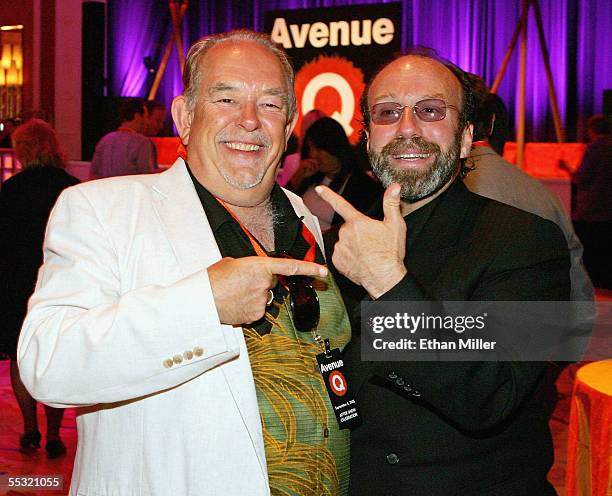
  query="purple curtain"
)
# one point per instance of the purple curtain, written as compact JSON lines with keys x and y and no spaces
{"x":474,"y":34}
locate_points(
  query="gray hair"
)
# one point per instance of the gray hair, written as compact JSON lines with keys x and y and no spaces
{"x":192,"y":75}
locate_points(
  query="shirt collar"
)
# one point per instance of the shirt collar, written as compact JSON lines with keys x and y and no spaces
{"x":286,"y":228}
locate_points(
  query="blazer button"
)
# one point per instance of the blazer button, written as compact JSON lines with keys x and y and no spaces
{"x":177,"y":359}
{"x":168,"y":363}
{"x":197,"y":351}
{"x":400,"y":382}
{"x":392,"y":458}
{"x":392,"y":375}
{"x":188,"y":355}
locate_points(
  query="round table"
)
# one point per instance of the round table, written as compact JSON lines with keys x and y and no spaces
{"x":589,"y":454}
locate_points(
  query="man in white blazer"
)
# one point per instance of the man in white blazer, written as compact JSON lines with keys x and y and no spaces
{"x":136,"y":317}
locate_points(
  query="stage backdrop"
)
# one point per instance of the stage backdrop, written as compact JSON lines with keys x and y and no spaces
{"x":334,"y":51}
{"x":474,"y":34}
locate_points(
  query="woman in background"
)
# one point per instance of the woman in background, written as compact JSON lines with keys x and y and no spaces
{"x":328,"y":158}
{"x":26,"y":200}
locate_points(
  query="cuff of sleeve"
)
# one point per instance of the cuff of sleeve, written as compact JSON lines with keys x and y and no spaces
{"x":408,"y":288}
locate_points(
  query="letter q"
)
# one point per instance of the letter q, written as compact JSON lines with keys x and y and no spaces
{"x":341,"y":85}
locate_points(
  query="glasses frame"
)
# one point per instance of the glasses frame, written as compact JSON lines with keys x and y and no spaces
{"x":415,"y":111}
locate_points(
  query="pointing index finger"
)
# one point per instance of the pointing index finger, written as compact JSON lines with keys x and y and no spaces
{"x":290,"y":267}
{"x":339,"y":204}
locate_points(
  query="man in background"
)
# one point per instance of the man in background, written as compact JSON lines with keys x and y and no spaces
{"x":126,"y":150}
{"x":156,"y":117}
{"x":495,"y":178}
{"x":592,"y":204}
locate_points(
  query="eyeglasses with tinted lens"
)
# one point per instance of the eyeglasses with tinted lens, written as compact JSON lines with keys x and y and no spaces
{"x":303,"y":298}
{"x":430,"y":110}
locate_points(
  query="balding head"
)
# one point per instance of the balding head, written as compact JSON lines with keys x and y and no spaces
{"x":467,"y":97}
{"x":420,"y":127}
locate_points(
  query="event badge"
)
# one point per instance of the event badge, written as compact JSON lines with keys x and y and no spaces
{"x":331,"y":366}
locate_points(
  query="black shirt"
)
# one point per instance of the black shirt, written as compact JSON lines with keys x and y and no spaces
{"x":233,"y":241}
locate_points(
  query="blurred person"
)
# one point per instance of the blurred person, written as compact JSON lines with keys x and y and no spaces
{"x":292,"y":161}
{"x":597,"y":128}
{"x":499,"y":131}
{"x":127,"y":150}
{"x":156,"y":117}
{"x":495,"y":178}
{"x":167,"y":311}
{"x":592,"y":202}
{"x":26,"y":200}
{"x":328,"y":158}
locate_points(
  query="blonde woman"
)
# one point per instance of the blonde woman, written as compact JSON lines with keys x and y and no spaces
{"x":26,"y":200}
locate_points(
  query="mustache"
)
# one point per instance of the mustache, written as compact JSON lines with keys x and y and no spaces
{"x":257,"y":137}
{"x":417,"y":143}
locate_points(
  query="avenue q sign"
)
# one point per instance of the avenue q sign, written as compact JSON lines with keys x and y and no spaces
{"x":334,"y":51}
{"x":343,"y":33}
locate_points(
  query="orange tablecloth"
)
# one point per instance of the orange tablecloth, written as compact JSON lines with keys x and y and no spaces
{"x":542,"y":159}
{"x":589,"y":445}
{"x":167,"y":150}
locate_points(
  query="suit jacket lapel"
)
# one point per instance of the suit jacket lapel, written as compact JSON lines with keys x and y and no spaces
{"x":189,"y":232}
{"x":439,"y":236}
{"x":184,"y":220}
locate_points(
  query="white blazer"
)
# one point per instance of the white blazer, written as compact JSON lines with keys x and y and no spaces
{"x":123,"y":325}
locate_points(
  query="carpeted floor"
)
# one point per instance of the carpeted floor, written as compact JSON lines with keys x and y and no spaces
{"x":13,"y":463}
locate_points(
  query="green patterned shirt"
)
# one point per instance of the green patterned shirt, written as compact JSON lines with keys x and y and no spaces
{"x":307,"y":454}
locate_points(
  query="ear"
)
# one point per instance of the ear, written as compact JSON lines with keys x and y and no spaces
{"x":290,"y":126}
{"x":466,"y":141}
{"x":492,"y":126}
{"x":366,"y":133}
{"x":182,"y":118}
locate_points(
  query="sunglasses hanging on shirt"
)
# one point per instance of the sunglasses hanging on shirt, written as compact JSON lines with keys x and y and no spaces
{"x":304,"y":302}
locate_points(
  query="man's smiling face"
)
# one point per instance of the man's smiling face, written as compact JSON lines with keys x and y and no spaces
{"x":240,"y":121}
{"x":421,"y":156}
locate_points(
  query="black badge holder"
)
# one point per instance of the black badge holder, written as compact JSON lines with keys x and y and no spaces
{"x":331,"y":366}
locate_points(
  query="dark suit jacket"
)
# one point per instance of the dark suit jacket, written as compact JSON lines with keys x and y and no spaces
{"x":26,"y":200}
{"x":469,"y":428}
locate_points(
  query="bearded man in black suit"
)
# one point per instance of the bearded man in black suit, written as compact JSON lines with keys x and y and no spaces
{"x":453,"y":427}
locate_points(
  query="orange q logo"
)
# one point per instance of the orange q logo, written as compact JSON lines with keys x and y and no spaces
{"x":333,"y":85}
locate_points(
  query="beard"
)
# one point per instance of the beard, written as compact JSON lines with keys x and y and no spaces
{"x":248,"y":177}
{"x":248,"y":182}
{"x":416,"y":183}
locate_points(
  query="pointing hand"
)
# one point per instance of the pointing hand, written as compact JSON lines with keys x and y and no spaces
{"x":241,"y":286}
{"x":370,"y":252}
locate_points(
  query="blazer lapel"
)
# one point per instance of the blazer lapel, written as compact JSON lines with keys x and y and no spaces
{"x":184,"y":220}
{"x":189,"y":232}
{"x":438,"y":238}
